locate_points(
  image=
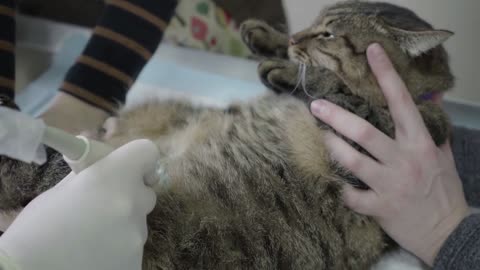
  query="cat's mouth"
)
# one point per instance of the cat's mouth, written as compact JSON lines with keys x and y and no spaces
{"x":315,"y":58}
{"x":298,"y":56}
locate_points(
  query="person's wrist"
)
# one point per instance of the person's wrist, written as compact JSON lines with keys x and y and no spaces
{"x":435,"y":240}
{"x":73,"y":115}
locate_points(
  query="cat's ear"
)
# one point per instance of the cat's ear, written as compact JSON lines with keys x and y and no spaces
{"x":417,"y":42}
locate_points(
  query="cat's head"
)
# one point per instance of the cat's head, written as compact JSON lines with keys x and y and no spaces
{"x":339,"y":38}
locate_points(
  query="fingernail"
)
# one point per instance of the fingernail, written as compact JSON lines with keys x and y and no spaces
{"x":376,"y":51}
{"x":319,"y":107}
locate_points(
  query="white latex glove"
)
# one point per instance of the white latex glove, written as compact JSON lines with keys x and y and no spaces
{"x":416,"y":194}
{"x":93,"y":220}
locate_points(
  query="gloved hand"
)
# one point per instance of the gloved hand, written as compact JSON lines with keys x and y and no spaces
{"x":416,"y":194}
{"x":93,"y":220}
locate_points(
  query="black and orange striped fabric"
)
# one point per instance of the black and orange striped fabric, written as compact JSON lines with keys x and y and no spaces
{"x":7,"y":48}
{"x":124,"y":39}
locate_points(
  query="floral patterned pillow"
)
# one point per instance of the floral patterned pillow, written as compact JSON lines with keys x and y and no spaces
{"x":203,"y":25}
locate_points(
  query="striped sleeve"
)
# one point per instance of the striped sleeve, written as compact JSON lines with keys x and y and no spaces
{"x":123,"y":41}
{"x":7,"y":48}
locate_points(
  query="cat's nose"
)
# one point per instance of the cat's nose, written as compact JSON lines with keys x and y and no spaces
{"x":292,"y":41}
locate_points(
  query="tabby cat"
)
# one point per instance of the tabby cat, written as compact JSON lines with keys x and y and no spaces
{"x":252,"y":186}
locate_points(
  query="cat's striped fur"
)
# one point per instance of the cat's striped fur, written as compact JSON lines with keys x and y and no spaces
{"x":252,"y":186}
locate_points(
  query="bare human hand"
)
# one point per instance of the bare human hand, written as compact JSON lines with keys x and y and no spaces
{"x":416,"y":194}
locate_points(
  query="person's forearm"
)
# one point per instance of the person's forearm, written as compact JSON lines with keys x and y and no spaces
{"x":123,"y":41}
{"x":466,"y":150}
{"x":462,"y":249}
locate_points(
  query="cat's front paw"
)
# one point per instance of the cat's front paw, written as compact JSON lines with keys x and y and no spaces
{"x":263,"y":40}
{"x":281,"y":76}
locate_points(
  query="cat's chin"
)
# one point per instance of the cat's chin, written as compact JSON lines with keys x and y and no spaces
{"x":299,"y":57}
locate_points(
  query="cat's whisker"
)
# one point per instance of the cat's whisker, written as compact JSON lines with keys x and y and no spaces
{"x":299,"y":79}
{"x":303,"y":69}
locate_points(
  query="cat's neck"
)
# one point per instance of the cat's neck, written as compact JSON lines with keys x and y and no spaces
{"x":368,"y":89}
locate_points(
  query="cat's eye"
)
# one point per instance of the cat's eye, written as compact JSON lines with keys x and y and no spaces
{"x":326,"y":35}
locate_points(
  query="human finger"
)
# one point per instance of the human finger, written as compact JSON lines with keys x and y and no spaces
{"x":361,"y":201}
{"x":447,"y":150}
{"x":362,"y":166}
{"x":355,"y":128}
{"x":146,"y":199}
{"x":135,"y":159}
{"x":407,"y":118}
